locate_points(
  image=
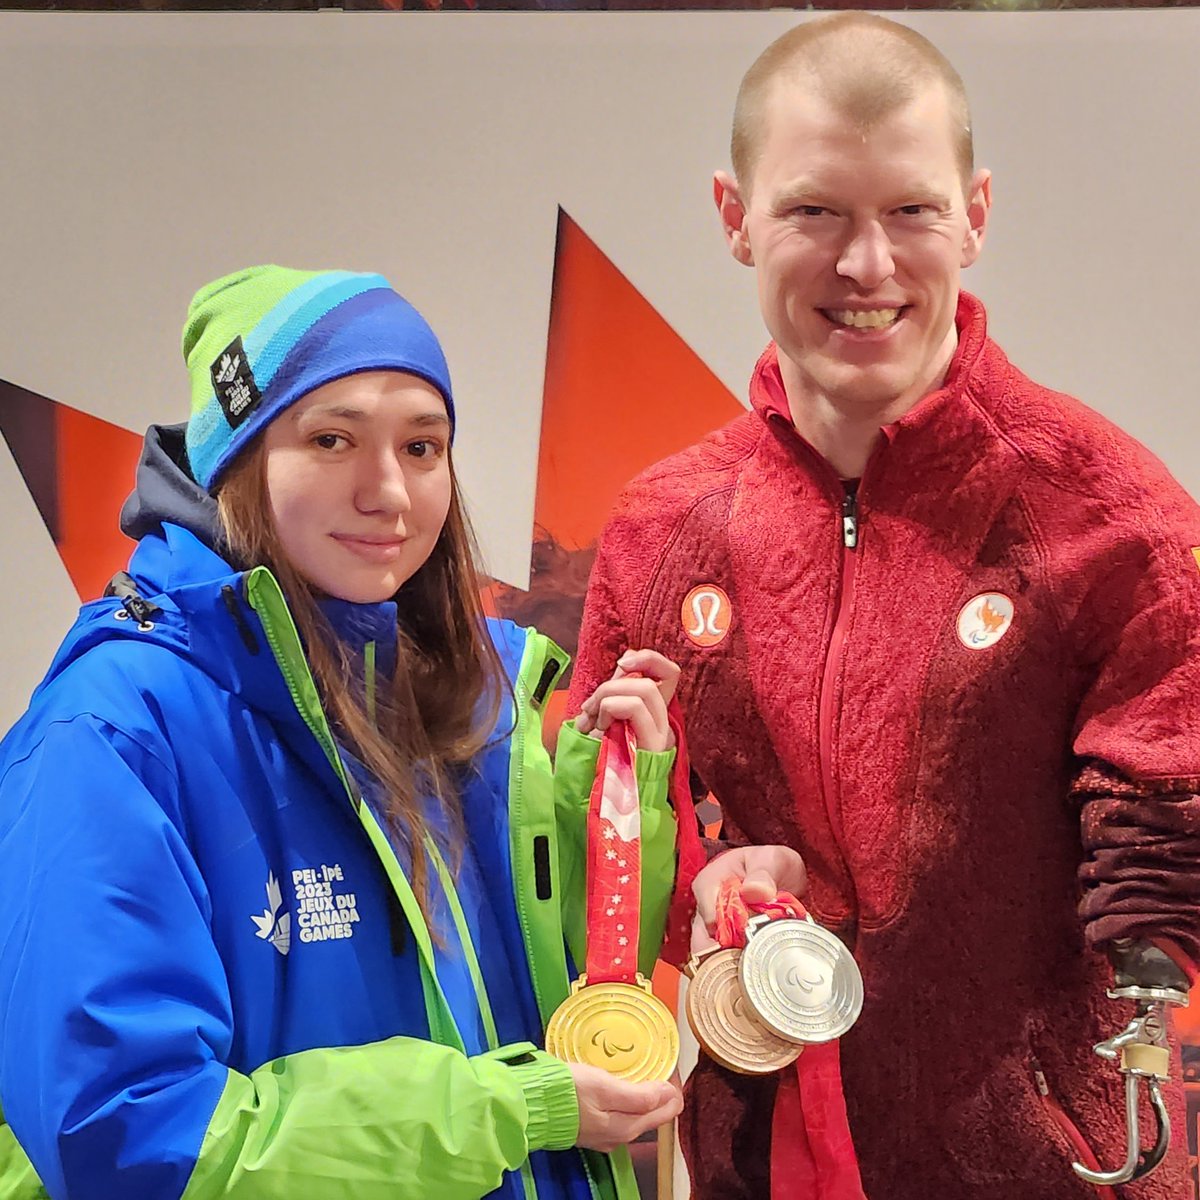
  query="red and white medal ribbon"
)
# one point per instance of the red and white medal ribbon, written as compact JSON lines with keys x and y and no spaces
{"x":614,"y":876}
{"x":812,"y":1151}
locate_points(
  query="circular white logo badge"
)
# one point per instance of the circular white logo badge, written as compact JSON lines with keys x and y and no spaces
{"x":706,"y":613}
{"x":983,"y":621}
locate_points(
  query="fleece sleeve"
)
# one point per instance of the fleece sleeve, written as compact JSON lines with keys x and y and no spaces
{"x":115,"y":1017}
{"x":1137,"y":745}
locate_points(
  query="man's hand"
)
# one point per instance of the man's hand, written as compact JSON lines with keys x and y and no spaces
{"x":613,"y":1112}
{"x":765,"y":871}
{"x":638,"y":692}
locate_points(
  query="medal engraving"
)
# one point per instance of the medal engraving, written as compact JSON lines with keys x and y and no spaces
{"x":622,"y":1027}
{"x":802,"y":982}
{"x":723,"y":1021}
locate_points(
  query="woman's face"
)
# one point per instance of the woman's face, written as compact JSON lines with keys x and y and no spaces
{"x":358,"y":479}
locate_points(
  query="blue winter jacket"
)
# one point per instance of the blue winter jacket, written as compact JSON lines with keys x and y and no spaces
{"x":214,"y":977}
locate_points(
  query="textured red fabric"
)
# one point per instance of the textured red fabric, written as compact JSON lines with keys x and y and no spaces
{"x":977,"y":794}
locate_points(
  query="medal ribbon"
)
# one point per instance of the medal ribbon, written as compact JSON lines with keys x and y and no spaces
{"x":812,"y":1151}
{"x":614,"y":870}
{"x":690,"y":856}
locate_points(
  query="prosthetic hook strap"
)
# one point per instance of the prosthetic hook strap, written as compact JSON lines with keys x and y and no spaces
{"x":812,"y":1151}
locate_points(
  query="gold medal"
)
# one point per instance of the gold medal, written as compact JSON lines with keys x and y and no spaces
{"x":723,"y":1021}
{"x":623,"y":1027}
{"x":800,"y":979}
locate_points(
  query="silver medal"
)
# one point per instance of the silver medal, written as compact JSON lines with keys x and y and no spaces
{"x":800,"y":979}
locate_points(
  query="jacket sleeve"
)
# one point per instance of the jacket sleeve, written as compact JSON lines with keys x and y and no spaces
{"x":1137,"y":744}
{"x":115,"y":1018}
{"x":574,"y":772}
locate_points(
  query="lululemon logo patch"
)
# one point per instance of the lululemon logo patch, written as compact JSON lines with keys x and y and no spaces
{"x":706,"y":614}
{"x":983,"y":621}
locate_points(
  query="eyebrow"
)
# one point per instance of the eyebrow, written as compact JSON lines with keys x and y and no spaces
{"x":348,"y":412}
{"x":806,"y":191}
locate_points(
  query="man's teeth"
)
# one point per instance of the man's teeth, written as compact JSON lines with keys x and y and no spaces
{"x":876,"y":318}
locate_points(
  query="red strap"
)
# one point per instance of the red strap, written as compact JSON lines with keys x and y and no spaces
{"x":812,"y":1151}
{"x":689,"y":851}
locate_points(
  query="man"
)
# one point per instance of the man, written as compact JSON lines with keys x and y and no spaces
{"x":938,"y":628}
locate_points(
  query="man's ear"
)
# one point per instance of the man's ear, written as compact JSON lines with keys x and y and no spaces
{"x":728,"y":198}
{"x":979,"y":207}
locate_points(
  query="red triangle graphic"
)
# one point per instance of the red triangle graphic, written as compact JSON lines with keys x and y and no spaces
{"x":79,"y":469}
{"x":622,"y":390}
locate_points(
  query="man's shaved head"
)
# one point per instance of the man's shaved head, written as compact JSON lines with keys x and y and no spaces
{"x":866,"y":67}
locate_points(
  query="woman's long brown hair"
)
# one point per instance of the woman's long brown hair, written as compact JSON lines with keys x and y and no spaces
{"x":440,"y":706}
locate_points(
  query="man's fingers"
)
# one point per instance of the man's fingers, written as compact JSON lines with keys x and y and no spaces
{"x":701,"y":938}
{"x":759,"y":885}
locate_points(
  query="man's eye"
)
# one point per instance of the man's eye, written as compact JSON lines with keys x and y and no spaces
{"x":811,"y":210}
{"x":912,"y":210}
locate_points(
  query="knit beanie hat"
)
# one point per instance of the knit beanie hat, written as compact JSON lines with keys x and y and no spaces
{"x":257,"y":341}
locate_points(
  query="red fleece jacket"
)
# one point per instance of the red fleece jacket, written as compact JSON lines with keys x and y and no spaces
{"x":960,"y":800}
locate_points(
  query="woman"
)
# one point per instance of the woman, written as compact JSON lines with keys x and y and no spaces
{"x":279,"y":902}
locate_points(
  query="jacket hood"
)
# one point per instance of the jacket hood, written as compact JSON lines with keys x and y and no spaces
{"x":165,"y":491}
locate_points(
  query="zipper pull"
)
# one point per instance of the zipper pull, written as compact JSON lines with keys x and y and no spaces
{"x":850,"y":521}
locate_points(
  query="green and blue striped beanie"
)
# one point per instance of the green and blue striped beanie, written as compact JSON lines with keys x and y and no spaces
{"x":257,"y":341}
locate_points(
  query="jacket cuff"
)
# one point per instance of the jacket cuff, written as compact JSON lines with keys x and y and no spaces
{"x":550,"y":1097}
{"x":651,"y":766}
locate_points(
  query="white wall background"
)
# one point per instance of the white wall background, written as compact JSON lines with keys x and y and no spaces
{"x":142,"y":154}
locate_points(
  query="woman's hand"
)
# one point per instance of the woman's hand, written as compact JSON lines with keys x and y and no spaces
{"x":613,"y":1112}
{"x":639,"y":691}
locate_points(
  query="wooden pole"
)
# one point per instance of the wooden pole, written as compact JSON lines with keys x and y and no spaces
{"x":666,"y":1161}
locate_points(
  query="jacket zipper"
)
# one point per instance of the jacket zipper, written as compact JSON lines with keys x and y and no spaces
{"x":849,"y":519}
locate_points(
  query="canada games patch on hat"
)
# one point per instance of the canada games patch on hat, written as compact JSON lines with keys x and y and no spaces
{"x":257,"y":341}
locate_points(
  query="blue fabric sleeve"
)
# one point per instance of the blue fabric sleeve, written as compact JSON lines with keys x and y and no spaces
{"x":114,"y":1013}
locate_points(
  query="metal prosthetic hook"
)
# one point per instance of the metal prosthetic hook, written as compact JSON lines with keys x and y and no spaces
{"x":1142,"y":1050}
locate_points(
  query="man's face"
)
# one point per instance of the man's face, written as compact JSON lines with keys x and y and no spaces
{"x":858,"y":241}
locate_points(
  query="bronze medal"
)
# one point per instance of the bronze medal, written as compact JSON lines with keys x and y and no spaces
{"x":622,"y":1027}
{"x":800,"y":979}
{"x":723,"y":1021}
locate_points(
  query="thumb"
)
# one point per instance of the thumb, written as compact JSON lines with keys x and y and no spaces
{"x":759,"y":884}
{"x":641,"y":1097}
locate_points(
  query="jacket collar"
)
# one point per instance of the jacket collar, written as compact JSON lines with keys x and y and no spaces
{"x":769,"y":399}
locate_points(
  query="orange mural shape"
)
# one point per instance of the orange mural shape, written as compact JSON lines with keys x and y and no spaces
{"x":622,"y":390}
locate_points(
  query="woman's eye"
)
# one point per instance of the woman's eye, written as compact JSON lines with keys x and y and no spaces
{"x":328,"y":441}
{"x":423,"y":449}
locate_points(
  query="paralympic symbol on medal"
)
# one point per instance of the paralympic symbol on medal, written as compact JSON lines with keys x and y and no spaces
{"x":803,"y":983}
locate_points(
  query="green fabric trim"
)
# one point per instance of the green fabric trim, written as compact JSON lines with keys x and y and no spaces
{"x":267,"y":599}
{"x":575,"y":770}
{"x":18,"y":1179}
{"x":552,"y":1101}
{"x":369,"y":680}
{"x":531,"y":815}
{"x":398,"y":1117}
{"x":468,"y":947}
